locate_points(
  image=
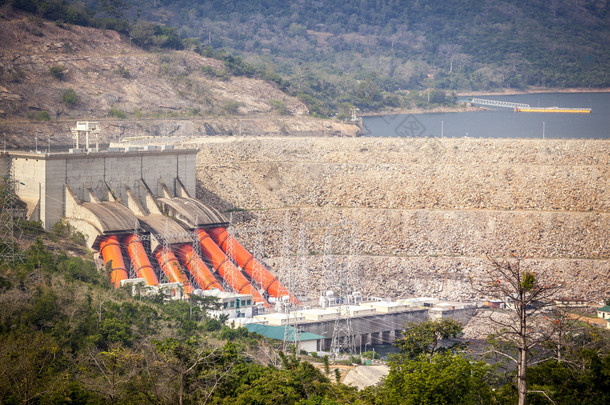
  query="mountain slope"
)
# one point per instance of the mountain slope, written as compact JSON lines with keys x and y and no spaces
{"x":106,"y":72}
{"x":357,"y":51}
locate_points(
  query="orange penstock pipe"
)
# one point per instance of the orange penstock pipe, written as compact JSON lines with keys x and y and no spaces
{"x":226,"y":269}
{"x":110,"y":249}
{"x":200,"y":272}
{"x":253,"y":268}
{"x":170,"y":266}
{"x":139,"y":259}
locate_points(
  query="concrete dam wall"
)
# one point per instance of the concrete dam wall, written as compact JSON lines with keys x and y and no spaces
{"x":416,"y":217}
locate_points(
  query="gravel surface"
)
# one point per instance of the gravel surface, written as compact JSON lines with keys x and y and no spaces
{"x":414,"y":217}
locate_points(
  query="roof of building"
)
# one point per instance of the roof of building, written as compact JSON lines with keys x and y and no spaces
{"x":166,"y":228}
{"x":193,"y":212}
{"x":605,"y":308}
{"x":279,"y":332}
{"x":112,"y":216}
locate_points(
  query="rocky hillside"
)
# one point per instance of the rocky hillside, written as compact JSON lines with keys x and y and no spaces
{"x":53,"y":74}
{"x":402,"y":217}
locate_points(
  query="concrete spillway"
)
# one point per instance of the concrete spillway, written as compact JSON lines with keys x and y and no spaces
{"x":226,"y":269}
{"x":252,"y":267}
{"x":113,"y":196}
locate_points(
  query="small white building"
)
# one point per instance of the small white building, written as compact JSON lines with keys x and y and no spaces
{"x":604,"y":312}
{"x":385,"y":307}
{"x":280,"y":319}
{"x":355,"y":310}
{"x":232,"y":304}
{"x":419,"y":301}
{"x":317,"y":314}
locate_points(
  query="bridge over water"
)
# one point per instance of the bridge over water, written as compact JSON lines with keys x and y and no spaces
{"x":498,"y":103}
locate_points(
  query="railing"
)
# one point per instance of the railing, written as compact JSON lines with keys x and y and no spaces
{"x":498,"y":103}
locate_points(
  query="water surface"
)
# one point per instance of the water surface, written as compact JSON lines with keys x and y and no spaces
{"x":504,"y":122}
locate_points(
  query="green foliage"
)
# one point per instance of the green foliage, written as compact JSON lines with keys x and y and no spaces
{"x":424,"y":337}
{"x":123,"y":72}
{"x":438,"y":379}
{"x":213,"y":73}
{"x":280,"y":107}
{"x":38,"y":115}
{"x":528,"y":280}
{"x":371,"y":355}
{"x":67,"y":336}
{"x":148,"y":35}
{"x":57,"y":71}
{"x":116,"y":113}
{"x":565,"y":384}
{"x":69,"y":97}
{"x":232,"y":107}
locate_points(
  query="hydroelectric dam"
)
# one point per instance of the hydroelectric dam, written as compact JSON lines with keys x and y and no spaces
{"x":135,"y":206}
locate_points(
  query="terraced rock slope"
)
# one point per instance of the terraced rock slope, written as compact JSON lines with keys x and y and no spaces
{"x":415,"y":217}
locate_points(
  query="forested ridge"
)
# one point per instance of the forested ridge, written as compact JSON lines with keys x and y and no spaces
{"x":363,"y":52}
{"x":371,"y":54}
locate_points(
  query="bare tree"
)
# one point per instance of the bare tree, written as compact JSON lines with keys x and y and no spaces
{"x":449,"y":52}
{"x":520,"y":330}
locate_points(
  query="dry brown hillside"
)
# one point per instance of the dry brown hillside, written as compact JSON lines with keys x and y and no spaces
{"x":40,"y":61}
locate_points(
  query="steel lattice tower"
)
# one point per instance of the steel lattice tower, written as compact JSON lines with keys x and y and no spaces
{"x":10,"y":228}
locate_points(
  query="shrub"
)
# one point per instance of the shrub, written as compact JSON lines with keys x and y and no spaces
{"x":280,"y":107}
{"x":69,"y":98}
{"x":39,"y":116}
{"x":58,"y":71}
{"x":115,"y":112}
{"x":232,"y":107}
{"x":122,"y":71}
{"x":371,"y":355}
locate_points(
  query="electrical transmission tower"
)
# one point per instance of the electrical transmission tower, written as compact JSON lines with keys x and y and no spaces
{"x":258,"y":250}
{"x":292,"y":335}
{"x":230,"y":252}
{"x":10,"y":228}
{"x":343,"y":339}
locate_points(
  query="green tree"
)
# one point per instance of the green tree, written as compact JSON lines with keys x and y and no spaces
{"x":424,"y":337}
{"x":441,"y":378}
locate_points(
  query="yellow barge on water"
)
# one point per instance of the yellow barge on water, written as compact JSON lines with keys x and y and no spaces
{"x":554,"y":110}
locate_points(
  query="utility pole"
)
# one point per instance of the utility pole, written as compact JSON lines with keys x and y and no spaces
{"x":543,"y":129}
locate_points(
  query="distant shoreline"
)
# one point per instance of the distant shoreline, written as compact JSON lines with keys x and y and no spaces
{"x":534,"y":90}
{"x":461,"y":107}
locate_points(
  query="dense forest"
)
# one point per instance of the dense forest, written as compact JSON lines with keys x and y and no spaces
{"x":372,"y":54}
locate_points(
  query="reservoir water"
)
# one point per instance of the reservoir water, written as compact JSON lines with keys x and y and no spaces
{"x":504,"y":122}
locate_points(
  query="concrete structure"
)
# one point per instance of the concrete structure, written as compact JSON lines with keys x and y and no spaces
{"x":571,"y":302}
{"x":385,"y":306}
{"x":233,"y":305}
{"x":317,"y":314}
{"x":278,"y":319}
{"x":419,"y":301}
{"x":90,"y":175}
